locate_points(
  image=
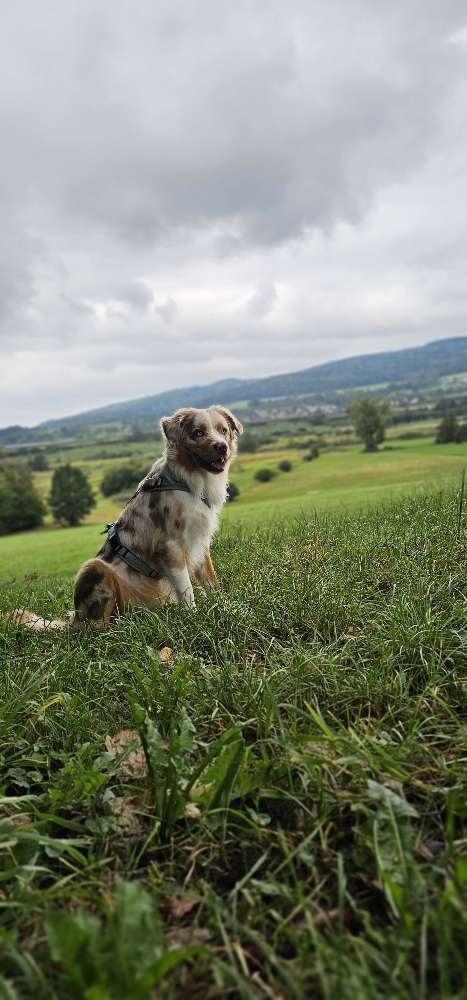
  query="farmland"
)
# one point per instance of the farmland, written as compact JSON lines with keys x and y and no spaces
{"x":344,"y":477}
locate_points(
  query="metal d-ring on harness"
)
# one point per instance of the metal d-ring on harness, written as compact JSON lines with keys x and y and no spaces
{"x":120,"y":550}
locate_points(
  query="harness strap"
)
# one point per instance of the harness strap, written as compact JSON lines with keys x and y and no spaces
{"x":164,"y":483}
{"x":128,"y":556}
{"x":155,"y":483}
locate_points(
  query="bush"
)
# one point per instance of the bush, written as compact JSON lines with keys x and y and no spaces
{"x":248,"y":442}
{"x":311,"y":454}
{"x":122,"y":477}
{"x":232,"y":492}
{"x":38,"y":463}
{"x":285,"y":466}
{"x":264,"y":475}
{"x":20,"y":506}
{"x":71,"y":496}
{"x":448,"y":429}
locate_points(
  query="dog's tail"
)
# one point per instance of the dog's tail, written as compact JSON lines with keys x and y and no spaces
{"x":22,"y":617}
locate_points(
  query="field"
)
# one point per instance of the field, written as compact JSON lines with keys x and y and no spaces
{"x":292,"y":823}
{"x":343,"y":478}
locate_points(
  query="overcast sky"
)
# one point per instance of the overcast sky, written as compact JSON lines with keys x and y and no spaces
{"x":203,"y":189}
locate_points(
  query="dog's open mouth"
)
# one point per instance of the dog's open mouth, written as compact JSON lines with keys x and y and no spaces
{"x":215,"y":465}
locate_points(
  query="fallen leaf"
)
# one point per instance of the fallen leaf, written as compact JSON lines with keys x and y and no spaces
{"x":325,"y":918}
{"x":134,"y":765}
{"x":198,"y":789}
{"x":192,"y":811}
{"x":123,"y":808}
{"x":181,"y":937}
{"x":166,"y":654}
{"x":178,"y":906}
{"x":20,"y":819}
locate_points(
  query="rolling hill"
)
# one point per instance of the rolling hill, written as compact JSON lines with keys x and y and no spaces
{"x":413,"y":367}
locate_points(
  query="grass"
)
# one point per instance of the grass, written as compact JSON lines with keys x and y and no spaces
{"x":341,"y":479}
{"x":312,"y":719}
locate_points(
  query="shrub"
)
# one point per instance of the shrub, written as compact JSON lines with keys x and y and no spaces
{"x":248,"y":442}
{"x":264,"y":475}
{"x":20,"y":506}
{"x":71,"y":496}
{"x":39,"y":463}
{"x":450,"y":430}
{"x":285,"y":466}
{"x":122,"y":477}
{"x":311,"y":454}
{"x":232,"y":492}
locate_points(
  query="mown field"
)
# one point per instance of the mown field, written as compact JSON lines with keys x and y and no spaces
{"x":293,"y":821}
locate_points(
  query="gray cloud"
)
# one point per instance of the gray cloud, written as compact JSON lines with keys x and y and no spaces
{"x":262,"y":301}
{"x":173,"y":175}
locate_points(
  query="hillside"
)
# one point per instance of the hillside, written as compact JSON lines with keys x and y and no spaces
{"x":291,"y":822}
{"x":414,"y":368}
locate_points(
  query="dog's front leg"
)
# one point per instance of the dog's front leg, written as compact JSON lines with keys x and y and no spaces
{"x":206,"y":574}
{"x":176,"y":571}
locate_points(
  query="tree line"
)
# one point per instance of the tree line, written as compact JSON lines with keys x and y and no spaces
{"x":21,"y":507}
{"x":71,"y":496}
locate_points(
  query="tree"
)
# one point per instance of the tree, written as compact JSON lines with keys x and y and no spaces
{"x":232,"y":492}
{"x":39,"y":463}
{"x":122,"y":477}
{"x":369,"y":416}
{"x":448,"y":429}
{"x":285,"y":466}
{"x":248,"y":442}
{"x":71,"y":496}
{"x":20,"y":506}
{"x":264,"y":475}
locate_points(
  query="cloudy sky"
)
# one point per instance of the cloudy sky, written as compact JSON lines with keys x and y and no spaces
{"x":196,"y":190}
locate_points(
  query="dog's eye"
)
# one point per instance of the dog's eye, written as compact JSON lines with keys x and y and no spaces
{"x":197,"y":434}
{"x":224,"y":430}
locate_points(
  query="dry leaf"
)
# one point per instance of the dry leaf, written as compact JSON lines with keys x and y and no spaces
{"x":134,"y":766}
{"x":199,"y":789}
{"x":181,"y":937}
{"x":179,"y":906}
{"x":192,"y":811}
{"x":123,"y":808}
{"x":166,"y":654}
{"x":20,"y":819}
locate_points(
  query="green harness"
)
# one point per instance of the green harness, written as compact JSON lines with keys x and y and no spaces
{"x":155,"y":483}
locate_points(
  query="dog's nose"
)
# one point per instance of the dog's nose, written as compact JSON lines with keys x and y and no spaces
{"x":221,"y":447}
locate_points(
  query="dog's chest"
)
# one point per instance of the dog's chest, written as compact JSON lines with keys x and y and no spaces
{"x":200,"y":526}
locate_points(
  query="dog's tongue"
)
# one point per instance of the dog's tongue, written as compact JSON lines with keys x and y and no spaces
{"x":219,"y":465}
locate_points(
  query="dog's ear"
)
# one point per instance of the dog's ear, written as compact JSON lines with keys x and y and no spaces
{"x":171,"y":427}
{"x":230,"y":418}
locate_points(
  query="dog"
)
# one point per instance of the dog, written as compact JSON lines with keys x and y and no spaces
{"x":161,"y":539}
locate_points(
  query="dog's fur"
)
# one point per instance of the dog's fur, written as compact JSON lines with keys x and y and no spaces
{"x":170,"y":530}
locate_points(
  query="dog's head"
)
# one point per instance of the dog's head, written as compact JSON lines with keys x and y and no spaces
{"x":202,"y":439}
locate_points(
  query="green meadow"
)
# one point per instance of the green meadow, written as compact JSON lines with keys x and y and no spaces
{"x":342,"y":478}
{"x":289,"y":816}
